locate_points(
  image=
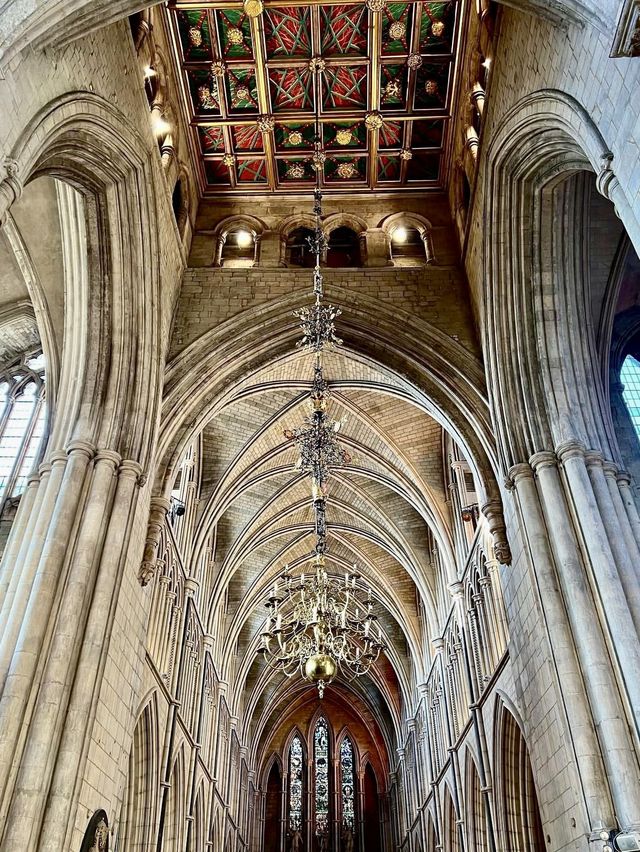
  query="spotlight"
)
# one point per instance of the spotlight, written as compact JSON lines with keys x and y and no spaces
{"x":487,"y":63}
{"x":244,"y":239}
{"x":149,"y":72}
{"x":160,"y":126}
{"x":399,"y":235}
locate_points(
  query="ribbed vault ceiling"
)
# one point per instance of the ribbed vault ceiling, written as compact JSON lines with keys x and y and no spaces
{"x":386,"y":510}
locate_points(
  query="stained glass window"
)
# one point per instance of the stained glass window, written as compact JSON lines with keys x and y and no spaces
{"x":321,"y":766}
{"x":296,"y":767}
{"x":347,"y":780}
{"x":630,"y":378}
{"x":22,"y":422}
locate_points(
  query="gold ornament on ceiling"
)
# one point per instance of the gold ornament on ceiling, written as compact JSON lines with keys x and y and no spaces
{"x":294,"y":137}
{"x":406,"y":154}
{"x":347,"y":170}
{"x":397,"y":30}
{"x":295,"y":171}
{"x":265,"y":123}
{"x":207,"y":100}
{"x":437,"y":28}
{"x":242,"y":93}
{"x":235,"y":35}
{"x":376,"y":5}
{"x":253,"y":8}
{"x":392,"y":90}
{"x":195,"y":36}
{"x":431,"y":87}
{"x":414,"y":61}
{"x":317,"y":64}
{"x":344,"y":136}
{"x":218,"y":68}
{"x":318,"y":161}
{"x":373,"y":120}
{"x":229,"y":160}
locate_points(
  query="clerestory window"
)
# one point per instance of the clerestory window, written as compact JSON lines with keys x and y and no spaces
{"x":22,"y":421}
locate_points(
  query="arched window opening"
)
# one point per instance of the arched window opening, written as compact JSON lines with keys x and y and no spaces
{"x":22,"y":423}
{"x":321,"y":777}
{"x":296,"y":775}
{"x":347,"y":784}
{"x":407,"y":245}
{"x":476,"y":809}
{"x":239,"y":248}
{"x":344,"y":248}
{"x":299,"y":252}
{"x":432,"y":838}
{"x":452,"y":839}
{"x":630,"y":378}
{"x":371,"y":811}
{"x":523,"y":826}
{"x":272,"y":814}
{"x":179,"y":205}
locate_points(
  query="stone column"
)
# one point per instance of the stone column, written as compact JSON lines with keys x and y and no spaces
{"x":28,"y":622}
{"x":25,"y":812}
{"x":624,"y":484}
{"x":271,"y":249}
{"x":71,"y":757}
{"x":608,"y":586}
{"x":25,"y":513}
{"x":578,"y":722}
{"x":608,"y":714}
{"x":627,"y":561}
{"x":377,"y":247}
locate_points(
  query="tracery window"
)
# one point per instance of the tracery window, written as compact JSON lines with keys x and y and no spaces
{"x":296,"y":767}
{"x":347,"y":783}
{"x":22,"y":421}
{"x":321,"y":774}
{"x":630,"y":378}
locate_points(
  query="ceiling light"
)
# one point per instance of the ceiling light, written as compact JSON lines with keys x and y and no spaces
{"x":400,"y":235}
{"x":160,"y":126}
{"x":244,"y":239}
{"x":149,"y":72}
{"x":487,"y":63}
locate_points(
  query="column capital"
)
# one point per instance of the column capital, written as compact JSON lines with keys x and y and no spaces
{"x":191,"y":586}
{"x":133,"y":470}
{"x":111,"y":457}
{"x":518,"y":472}
{"x":570,"y":450}
{"x":623,"y":477}
{"x":79,"y":446}
{"x":594,"y":458}
{"x":543,"y":459}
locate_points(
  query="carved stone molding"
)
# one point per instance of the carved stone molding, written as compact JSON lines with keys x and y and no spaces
{"x":626,"y":41}
{"x":492,"y":510}
{"x":157,"y":515}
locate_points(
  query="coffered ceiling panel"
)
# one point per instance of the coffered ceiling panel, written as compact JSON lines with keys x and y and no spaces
{"x":384,"y":94}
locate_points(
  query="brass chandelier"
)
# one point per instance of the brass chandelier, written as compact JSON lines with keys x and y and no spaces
{"x":318,"y":624}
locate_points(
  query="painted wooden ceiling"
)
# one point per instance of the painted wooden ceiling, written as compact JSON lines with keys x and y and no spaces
{"x":251,"y":94}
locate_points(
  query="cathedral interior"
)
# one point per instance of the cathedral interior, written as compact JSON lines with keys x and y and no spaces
{"x":320,"y":426}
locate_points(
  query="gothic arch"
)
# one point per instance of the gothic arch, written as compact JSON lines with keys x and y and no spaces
{"x":413,"y":220}
{"x":344,"y":220}
{"x":535,"y":155}
{"x":87,"y":144}
{"x":518,"y":815}
{"x":453,"y":399}
{"x":141,"y":796}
